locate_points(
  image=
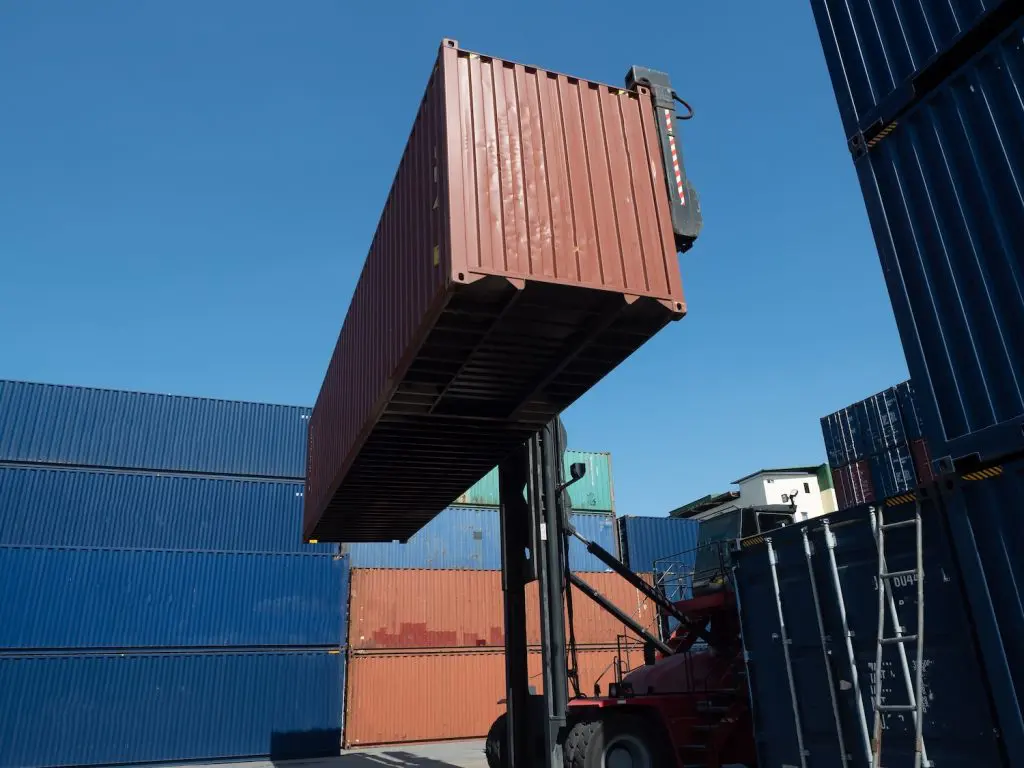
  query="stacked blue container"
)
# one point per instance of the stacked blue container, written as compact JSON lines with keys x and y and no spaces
{"x":158,"y":589}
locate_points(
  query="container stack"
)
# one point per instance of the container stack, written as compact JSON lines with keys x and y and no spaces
{"x":427,"y":618}
{"x":876,"y":447}
{"x":160,"y":604}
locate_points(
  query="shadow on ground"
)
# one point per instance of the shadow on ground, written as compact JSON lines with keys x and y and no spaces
{"x":319,"y":749}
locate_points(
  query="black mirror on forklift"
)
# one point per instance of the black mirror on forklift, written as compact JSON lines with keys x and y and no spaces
{"x":577,"y":470}
{"x":650,"y":654}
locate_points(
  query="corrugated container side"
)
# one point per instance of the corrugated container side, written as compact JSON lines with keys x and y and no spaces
{"x":455,"y":695}
{"x":84,"y":426}
{"x":410,"y":609}
{"x":892,"y":472}
{"x":101,"y":598}
{"x":49,"y":506}
{"x":135,"y":708}
{"x":644,"y":540}
{"x":913,"y":422}
{"x":959,"y":729}
{"x":853,"y":484}
{"x":943,"y":194}
{"x":987,"y":529}
{"x":464,"y":538}
{"x":593,"y":493}
{"x":477,"y":303}
{"x":875,"y":50}
{"x":885,"y":423}
{"x":922,"y":461}
{"x":835,"y":445}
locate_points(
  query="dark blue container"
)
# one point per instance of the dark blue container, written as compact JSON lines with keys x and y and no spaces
{"x":50,"y":424}
{"x":150,"y":708}
{"x":103,"y":598}
{"x":943,"y":193}
{"x":877,"y":52}
{"x":959,"y":728}
{"x":50,"y":506}
{"x":892,"y":472}
{"x":885,"y":423}
{"x":987,"y":527}
{"x":835,"y":429}
{"x":466,"y":538}
{"x":913,"y":423}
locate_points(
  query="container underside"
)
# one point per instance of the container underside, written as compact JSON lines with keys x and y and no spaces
{"x":498,"y":364}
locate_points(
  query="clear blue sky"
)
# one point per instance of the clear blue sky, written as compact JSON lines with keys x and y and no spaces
{"x":188,"y":189}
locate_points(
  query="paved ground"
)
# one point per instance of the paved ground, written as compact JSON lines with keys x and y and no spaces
{"x":447,"y":754}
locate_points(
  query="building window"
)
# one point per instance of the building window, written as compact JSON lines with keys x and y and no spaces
{"x":807,"y":487}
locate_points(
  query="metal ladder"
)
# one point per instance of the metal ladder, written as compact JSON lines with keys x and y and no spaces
{"x":914,"y":688}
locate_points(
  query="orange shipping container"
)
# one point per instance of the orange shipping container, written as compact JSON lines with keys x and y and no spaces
{"x":394,"y":698}
{"x":408,"y":609}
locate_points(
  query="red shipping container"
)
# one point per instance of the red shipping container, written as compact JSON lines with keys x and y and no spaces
{"x":922,"y":461}
{"x":526,"y":248}
{"x":853,"y":484}
{"x":417,"y":609}
{"x":395,"y":698}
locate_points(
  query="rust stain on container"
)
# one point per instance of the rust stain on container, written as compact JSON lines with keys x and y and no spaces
{"x":416,"y":609}
{"x":394,"y":698}
{"x":524,"y":251}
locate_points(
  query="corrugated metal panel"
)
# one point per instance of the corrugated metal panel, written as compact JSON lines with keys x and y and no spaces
{"x":913,"y":422}
{"x":922,"y":461}
{"x":892,"y":472}
{"x":48,"y":506}
{"x":885,"y":423}
{"x":987,"y":529}
{"x":943,"y":193}
{"x":503,"y":305}
{"x":462,"y":538}
{"x":592,"y":493}
{"x":958,"y":729}
{"x":853,"y":484}
{"x":410,"y":609}
{"x":136,"y":430}
{"x":875,"y":50}
{"x":133,"y":708}
{"x":835,"y":430}
{"x":455,"y":695}
{"x":97,"y":598}
{"x":644,"y":540}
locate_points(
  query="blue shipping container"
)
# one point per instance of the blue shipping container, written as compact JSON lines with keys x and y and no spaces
{"x":102,"y":598}
{"x":136,"y":708}
{"x":959,"y":729}
{"x":987,"y":528}
{"x":82,"y":426}
{"x":885,"y":424}
{"x":645,"y":540}
{"x":943,"y":194}
{"x":591,"y":494}
{"x":49,"y":506}
{"x":464,"y":538}
{"x":838,"y":437}
{"x":892,"y":472}
{"x":913,"y":423}
{"x":876,"y":51}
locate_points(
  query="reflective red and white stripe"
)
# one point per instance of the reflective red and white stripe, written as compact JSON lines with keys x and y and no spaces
{"x":675,"y":156}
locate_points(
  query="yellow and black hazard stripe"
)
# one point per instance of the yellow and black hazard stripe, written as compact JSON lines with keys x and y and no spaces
{"x":874,"y":140}
{"x":752,"y":541}
{"x":984,"y":474}
{"x":903,"y":498}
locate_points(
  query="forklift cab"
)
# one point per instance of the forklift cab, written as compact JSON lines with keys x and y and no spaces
{"x":719,"y":533}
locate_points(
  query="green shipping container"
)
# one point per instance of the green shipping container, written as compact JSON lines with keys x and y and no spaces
{"x":592,"y":494}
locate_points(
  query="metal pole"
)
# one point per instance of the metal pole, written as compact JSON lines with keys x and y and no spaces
{"x":824,"y":647}
{"x":773,"y":562}
{"x":515,"y":540}
{"x":552,"y":598}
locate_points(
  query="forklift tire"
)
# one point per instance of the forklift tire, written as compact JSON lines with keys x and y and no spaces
{"x":494,"y":746}
{"x":614,"y":741}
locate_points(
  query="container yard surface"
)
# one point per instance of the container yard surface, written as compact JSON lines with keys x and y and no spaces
{"x":444,"y":754}
{"x":494,"y":327}
{"x":944,"y":201}
{"x":959,"y":726}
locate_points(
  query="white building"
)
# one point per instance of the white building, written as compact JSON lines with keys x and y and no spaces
{"x":809,"y":489}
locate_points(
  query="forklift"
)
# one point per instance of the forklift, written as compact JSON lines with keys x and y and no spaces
{"x":687,"y":706}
